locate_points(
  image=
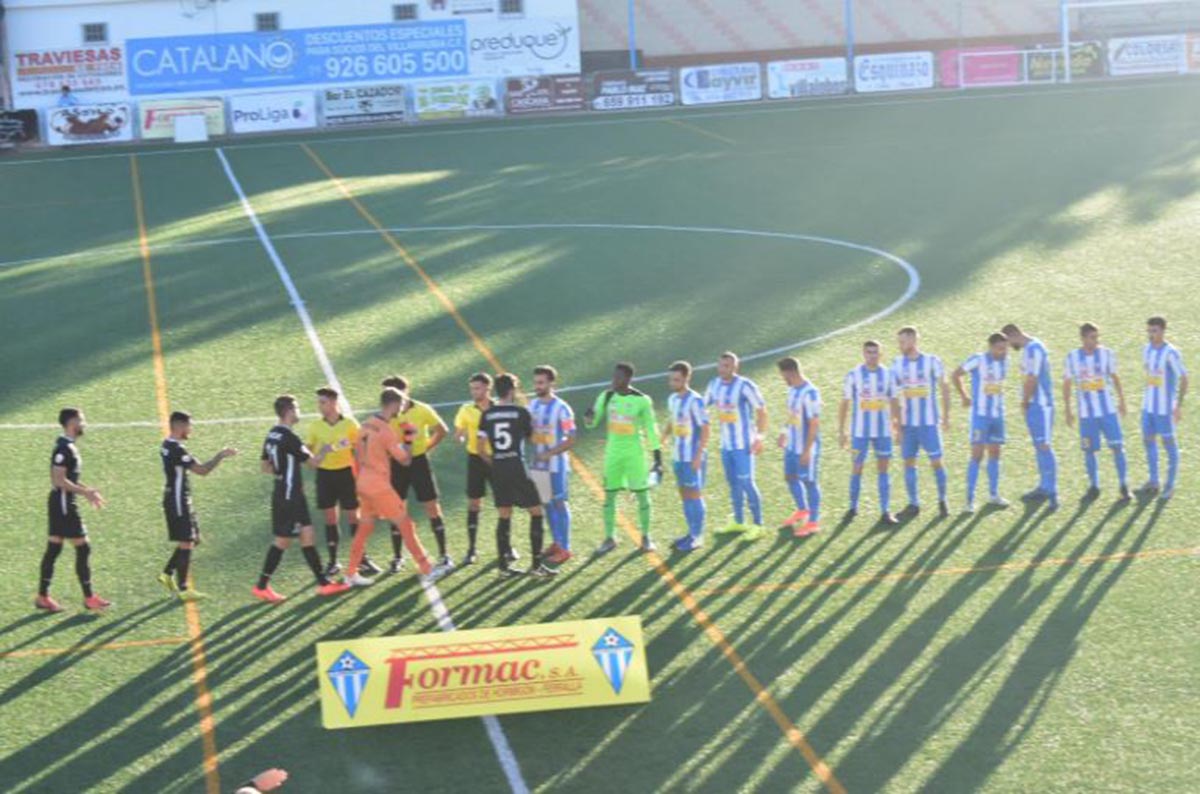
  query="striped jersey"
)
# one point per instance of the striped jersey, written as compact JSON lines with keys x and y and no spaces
{"x":1164,"y":368}
{"x":1035,"y":361}
{"x":917,"y":382}
{"x":870,"y":392}
{"x":553,"y":423}
{"x":736,"y":401}
{"x":688,"y":416}
{"x":803,"y":405}
{"x":987,"y":384}
{"x":1092,"y":375}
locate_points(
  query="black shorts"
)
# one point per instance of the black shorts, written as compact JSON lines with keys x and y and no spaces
{"x":511,"y":485}
{"x":65,"y":521}
{"x":288,"y":515}
{"x":418,"y":476}
{"x":335,"y":488}
{"x":478,"y":477}
{"x":181,"y":526}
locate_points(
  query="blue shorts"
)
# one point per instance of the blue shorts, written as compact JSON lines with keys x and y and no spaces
{"x":1040,"y":421}
{"x":1091,"y":429}
{"x":987,"y":430}
{"x":738,"y":464}
{"x":915,"y":439}
{"x":688,"y":477}
{"x":882,"y":445}
{"x":792,"y":470}
{"x":1158,"y":425}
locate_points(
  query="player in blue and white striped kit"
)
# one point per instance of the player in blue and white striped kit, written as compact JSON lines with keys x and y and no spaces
{"x":553,"y":437}
{"x":1092,"y":370}
{"x":742,"y":415}
{"x":920,"y":383}
{"x":986,"y":401}
{"x":870,"y":391}
{"x":1162,"y":405}
{"x":801,"y":444}
{"x":1037,"y":405}
{"x":687,"y":432}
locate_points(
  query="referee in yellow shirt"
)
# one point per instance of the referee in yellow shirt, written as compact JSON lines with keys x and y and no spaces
{"x":419,"y":428}
{"x":466,"y":431}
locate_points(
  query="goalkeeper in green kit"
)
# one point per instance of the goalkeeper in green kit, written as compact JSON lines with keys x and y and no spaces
{"x":630,"y":418}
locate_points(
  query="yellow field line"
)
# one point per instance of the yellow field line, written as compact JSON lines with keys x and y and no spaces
{"x":761,"y":696}
{"x":208,"y":737}
{"x":91,"y":647}
{"x":1021,"y":565}
{"x":698,"y":129}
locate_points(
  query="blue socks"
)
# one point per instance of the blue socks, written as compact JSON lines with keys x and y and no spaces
{"x":972,"y":479}
{"x":1048,"y":467}
{"x":735,"y":496}
{"x":814,"y":500}
{"x":939,"y":474}
{"x":1093,"y":468}
{"x":750,"y":488}
{"x":910,"y":485}
{"x":855,"y":490}
{"x":1152,"y":459}
{"x":1172,"y":462}
{"x":694,"y":511}
{"x":993,"y":472}
{"x":885,"y":491}
{"x":1122,"y":465}
{"x":799,"y":493}
{"x":558,"y":515}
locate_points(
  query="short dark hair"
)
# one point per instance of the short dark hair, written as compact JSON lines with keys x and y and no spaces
{"x":390,"y":396}
{"x":328,"y":392}
{"x":997,"y":338}
{"x":398,"y":382}
{"x":910,"y":330}
{"x":547,"y":370}
{"x":1011,"y":328}
{"x":626,"y":367}
{"x":66,"y":415}
{"x":684,"y":368}
{"x":871,"y":343}
{"x":481,"y":377}
{"x":729,"y":355}
{"x":1158,"y":322}
{"x":1088,"y":328}
{"x":506,"y":384}
{"x":790,"y":364}
{"x":282,"y":403}
{"x":180,"y":417}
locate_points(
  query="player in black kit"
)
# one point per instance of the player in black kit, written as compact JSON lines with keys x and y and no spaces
{"x":65,"y":521}
{"x":506,"y":427}
{"x":283,"y":456}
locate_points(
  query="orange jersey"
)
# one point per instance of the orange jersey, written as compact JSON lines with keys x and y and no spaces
{"x":377,"y":446}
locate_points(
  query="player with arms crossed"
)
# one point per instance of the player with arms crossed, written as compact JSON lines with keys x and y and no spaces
{"x":553,"y":438}
{"x":1162,"y":405}
{"x":801,"y":445}
{"x":629,"y":416}
{"x":65,"y":521}
{"x":283,"y":457}
{"x":742,"y":413}
{"x":506,"y":427}
{"x":182,"y":528}
{"x":687,"y":430}
{"x":1092,"y":370}
{"x":986,"y":403}
{"x":870,"y":390}
{"x":1037,"y":405}
{"x":925,"y":403}
{"x":466,"y":431}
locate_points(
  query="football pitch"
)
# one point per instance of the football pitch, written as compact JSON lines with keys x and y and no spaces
{"x":1008,"y":651}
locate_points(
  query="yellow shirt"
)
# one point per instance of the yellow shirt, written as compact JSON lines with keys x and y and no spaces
{"x":415,"y":425}
{"x":342,"y":435}
{"x":466,"y":421}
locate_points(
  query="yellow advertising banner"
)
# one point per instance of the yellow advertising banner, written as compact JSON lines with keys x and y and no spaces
{"x":575,"y":664}
{"x":156,"y":117}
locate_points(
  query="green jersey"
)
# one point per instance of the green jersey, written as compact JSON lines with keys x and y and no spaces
{"x":629,"y":416}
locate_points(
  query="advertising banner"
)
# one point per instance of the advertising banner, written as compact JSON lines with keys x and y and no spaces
{"x":627,"y":90}
{"x":1147,"y":55}
{"x":18,"y":126}
{"x":39,"y":75}
{"x":456,"y":99}
{"x":807,"y":77}
{"x":1194,"y":52}
{"x":893,"y":71}
{"x":1087,"y":60}
{"x":507,"y":670}
{"x":156,"y":117}
{"x":725,"y":82}
{"x":980,"y":66}
{"x":543,"y":94}
{"x":364,"y":104}
{"x":524,"y":46}
{"x":89,"y":124}
{"x":289,"y":110}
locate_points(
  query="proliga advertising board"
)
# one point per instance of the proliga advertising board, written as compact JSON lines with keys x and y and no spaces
{"x":506,"y":670}
{"x":364,"y":104}
{"x":626,"y":90}
{"x":1147,"y":55}
{"x":18,"y":126}
{"x":980,"y":66}
{"x":455,"y":99}
{"x":807,"y":77}
{"x":893,"y":71}
{"x":156,"y":117}
{"x":90,"y":124}
{"x":725,"y":82}
{"x":289,"y":110}
{"x":39,"y":75}
{"x":543,"y":94}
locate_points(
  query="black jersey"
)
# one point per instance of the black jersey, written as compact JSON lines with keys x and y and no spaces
{"x":67,"y":456}
{"x":176,"y":462}
{"x":286,"y":453}
{"x":506,"y":428}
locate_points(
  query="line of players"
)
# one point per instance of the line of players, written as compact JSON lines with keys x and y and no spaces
{"x":365,"y":473}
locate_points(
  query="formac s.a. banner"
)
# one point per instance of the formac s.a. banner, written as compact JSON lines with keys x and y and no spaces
{"x":576,"y":664}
